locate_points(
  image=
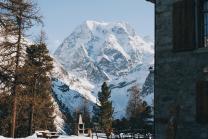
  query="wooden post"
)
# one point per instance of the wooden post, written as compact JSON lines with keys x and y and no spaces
{"x":89,"y":132}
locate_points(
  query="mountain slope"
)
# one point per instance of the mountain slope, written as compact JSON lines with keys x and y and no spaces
{"x":95,"y":49}
{"x":96,"y":52}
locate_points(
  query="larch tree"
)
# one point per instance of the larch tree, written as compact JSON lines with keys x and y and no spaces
{"x":137,"y":110}
{"x":106,"y":109}
{"x":134,"y":107}
{"x":17,"y":16}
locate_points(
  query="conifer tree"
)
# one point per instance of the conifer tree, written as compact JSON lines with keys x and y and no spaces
{"x":106,"y":109}
{"x":16,"y":17}
{"x":146,"y":117}
{"x":96,"y":114}
{"x":38,"y":65}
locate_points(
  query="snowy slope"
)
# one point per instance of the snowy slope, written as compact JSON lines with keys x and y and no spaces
{"x":64,"y":81}
{"x":96,"y":52}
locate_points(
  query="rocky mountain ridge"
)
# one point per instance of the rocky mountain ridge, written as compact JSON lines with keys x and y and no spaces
{"x":96,"y":52}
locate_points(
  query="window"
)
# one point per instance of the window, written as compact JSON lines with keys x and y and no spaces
{"x":203,"y":23}
{"x":202,"y":102}
{"x":190,"y":25}
{"x":184,"y":27}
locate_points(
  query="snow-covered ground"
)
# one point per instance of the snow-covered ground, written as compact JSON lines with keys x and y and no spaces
{"x":60,"y":137}
{"x":80,"y":137}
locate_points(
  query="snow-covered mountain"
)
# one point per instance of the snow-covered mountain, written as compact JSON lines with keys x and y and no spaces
{"x":96,"y":52}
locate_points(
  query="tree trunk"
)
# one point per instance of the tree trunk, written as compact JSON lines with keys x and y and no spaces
{"x":17,"y":58}
{"x":31,"y":119}
{"x":13,"y":125}
{"x":32,"y":106}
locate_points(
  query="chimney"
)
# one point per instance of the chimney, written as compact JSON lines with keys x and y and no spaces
{"x":151,"y":69}
{"x":153,"y":1}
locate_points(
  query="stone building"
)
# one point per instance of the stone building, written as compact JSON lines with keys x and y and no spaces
{"x":181,"y":69}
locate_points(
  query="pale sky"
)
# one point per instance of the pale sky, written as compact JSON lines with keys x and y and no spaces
{"x":61,"y":17}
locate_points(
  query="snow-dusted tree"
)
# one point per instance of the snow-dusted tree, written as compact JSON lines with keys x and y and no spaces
{"x":16,"y":17}
{"x":106,"y":109}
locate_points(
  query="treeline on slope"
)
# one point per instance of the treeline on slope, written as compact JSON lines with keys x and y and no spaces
{"x":102,"y":114}
{"x":25,"y":86}
{"x":69,"y":116}
{"x":139,"y":114}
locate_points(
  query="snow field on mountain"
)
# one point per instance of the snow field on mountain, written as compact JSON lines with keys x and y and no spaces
{"x":99,"y":51}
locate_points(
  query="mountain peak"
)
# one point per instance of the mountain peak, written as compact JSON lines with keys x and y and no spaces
{"x":91,"y":24}
{"x":117,"y":26}
{"x":103,"y":49}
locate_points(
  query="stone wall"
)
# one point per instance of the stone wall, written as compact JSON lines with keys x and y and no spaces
{"x":176,"y":75}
